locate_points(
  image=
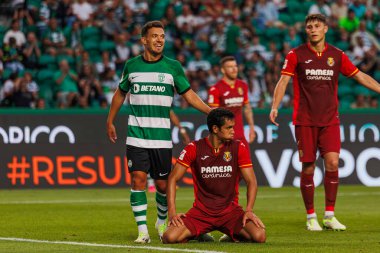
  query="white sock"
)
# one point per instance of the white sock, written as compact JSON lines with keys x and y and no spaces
{"x":143,"y":228}
{"x":312,"y":215}
{"x":329,"y":214}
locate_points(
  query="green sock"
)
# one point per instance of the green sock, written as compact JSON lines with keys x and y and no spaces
{"x":139,"y":206}
{"x":162,"y":207}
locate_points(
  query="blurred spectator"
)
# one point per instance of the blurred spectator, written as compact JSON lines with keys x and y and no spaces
{"x":360,"y":102}
{"x":66,"y":81}
{"x":198,"y":63}
{"x":186,"y":19}
{"x":109,"y":82}
{"x":349,"y":23}
{"x":369,"y":39}
{"x":254,"y":46}
{"x":233,"y":40}
{"x":31,"y":51}
{"x":370,"y":63}
{"x":140,"y":12}
{"x":374,"y":102}
{"x":111,"y":26}
{"x":218,"y":38}
{"x":7,"y":91}
{"x":82,"y":10}
{"x":15,"y":32}
{"x":44,"y":14}
{"x":292,"y":38}
{"x":54,"y":41}
{"x":74,"y":38}
{"x":40,"y":103}
{"x":255,"y":91}
{"x":339,"y":9}
{"x":202,"y":22}
{"x":65,"y":13}
{"x":359,"y":7}
{"x":320,"y":7}
{"x":12,"y":56}
{"x":107,"y":62}
{"x":267,"y":14}
{"x":22,"y":97}
{"x":89,"y":87}
{"x":358,"y":51}
{"x":123,"y":52}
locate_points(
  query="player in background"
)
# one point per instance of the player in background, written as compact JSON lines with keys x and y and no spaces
{"x":150,"y":79}
{"x":214,"y":207}
{"x":185,"y":139}
{"x":232,"y":93}
{"x":315,"y":68}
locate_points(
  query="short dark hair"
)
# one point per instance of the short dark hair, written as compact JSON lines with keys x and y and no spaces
{"x":218,"y":117}
{"x":149,"y":25}
{"x":316,"y":17}
{"x":226,"y":59}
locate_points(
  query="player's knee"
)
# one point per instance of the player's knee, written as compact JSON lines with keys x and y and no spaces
{"x":169,"y":238}
{"x":138,"y":183}
{"x":332,"y":165}
{"x":260,"y":236}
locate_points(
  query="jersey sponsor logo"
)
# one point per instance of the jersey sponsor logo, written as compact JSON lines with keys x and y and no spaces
{"x":234,"y":101}
{"x":227,"y":156}
{"x":285,"y":63}
{"x":216,"y":171}
{"x":153,"y":88}
{"x":308,"y":61}
{"x":147,"y":88}
{"x":319,"y":74}
{"x":330,"y":61}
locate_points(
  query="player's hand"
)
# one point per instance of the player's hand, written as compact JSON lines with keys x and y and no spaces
{"x":252,"y":134}
{"x":176,"y":220}
{"x":111,"y":132}
{"x":249,"y":215}
{"x":273,"y":115}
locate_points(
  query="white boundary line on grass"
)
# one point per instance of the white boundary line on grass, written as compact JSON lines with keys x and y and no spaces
{"x":13,"y":239}
{"x":125,"y":200}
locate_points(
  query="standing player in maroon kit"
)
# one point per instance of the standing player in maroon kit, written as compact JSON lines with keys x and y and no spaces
{"x":232,"y":93}
{"x":315,"y":68}
{"x":216,"y":162}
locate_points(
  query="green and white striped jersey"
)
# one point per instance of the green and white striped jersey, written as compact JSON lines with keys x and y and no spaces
{"x":151,"y":87}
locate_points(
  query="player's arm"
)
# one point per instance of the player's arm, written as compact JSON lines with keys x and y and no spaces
{"x":194,"y":100}
{"x":174,"y":118}
{"x":117,"y":101}
{"x":278,"y":94}
{"x":367,"y":81}
{"x":175,"y":175}
{"x":248,"y":113}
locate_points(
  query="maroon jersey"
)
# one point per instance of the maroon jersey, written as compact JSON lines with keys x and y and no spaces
{"x":215,"y":172}
{"x":315,"y":82}
{"x":231,"y":98}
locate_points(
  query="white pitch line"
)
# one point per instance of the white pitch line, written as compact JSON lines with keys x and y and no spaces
{"x":12,"y":239}
{"x":121,"y":200}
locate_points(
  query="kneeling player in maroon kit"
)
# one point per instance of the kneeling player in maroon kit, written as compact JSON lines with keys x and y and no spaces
{"x":215,"y":162}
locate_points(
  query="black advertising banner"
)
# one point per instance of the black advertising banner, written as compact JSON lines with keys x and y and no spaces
{"x":71,"y":149}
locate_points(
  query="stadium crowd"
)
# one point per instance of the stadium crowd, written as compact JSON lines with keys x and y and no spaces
{"x":71,"y":53}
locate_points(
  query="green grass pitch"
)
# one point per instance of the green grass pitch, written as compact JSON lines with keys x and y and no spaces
{"x":103,"y":216}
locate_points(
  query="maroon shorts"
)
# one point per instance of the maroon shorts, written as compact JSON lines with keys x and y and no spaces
{"x":310,"y":139}
{"x":229,"y":221}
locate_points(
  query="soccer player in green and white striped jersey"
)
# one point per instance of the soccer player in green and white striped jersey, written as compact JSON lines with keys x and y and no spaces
{"x":151,"y":79}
